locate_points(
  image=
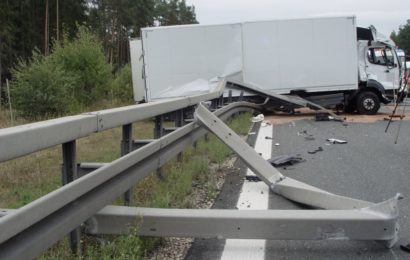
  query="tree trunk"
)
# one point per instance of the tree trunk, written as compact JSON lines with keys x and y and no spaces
{"x":57,"y":21}
{"x":46,"y":30}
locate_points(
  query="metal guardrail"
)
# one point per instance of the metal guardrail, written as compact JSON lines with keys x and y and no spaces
{"x":31,"y":229}
{"x":28,"y":231}
{"x":25,"y":139}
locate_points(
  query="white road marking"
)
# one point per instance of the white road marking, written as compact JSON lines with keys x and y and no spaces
{"x":254,"y":195}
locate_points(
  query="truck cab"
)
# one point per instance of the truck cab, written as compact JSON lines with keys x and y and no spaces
{"x":380,"y":72}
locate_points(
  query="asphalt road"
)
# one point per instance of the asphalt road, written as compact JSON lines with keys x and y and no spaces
{"x":370,"y":167}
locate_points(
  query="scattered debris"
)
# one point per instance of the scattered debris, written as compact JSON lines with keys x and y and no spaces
{"x":322,"y":116}
{"x":336,"y":141}
{"x":268,"y":137}
{"x":309,"y":138}
{"x":258,"y":118}
{"x":252,"y":133}
{"x":303,"y":133}
{"x":319,"y":149}
{"x":285,"y":159}
{"x":265,"y":124}
{"x":277,"y":144}
{"x":405,"y":248}
{"x":252,"y":178}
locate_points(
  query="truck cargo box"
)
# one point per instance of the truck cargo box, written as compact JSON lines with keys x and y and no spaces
{"x":314,"y":54}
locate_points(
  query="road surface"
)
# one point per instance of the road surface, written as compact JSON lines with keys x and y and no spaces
{"x":370,"y":167}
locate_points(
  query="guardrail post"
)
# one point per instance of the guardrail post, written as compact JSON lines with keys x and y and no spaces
{"x":221,"y":101}
{"x":158,"y":133}
{"x":159,"y":129}
{"x":126,"y":147}
{"x":179,"y":122}
{"x":69,"y":174}
{"x":214,"y":104}
{"x":230,"y":96}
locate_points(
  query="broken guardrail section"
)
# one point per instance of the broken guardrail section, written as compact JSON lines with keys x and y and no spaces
{"x":340,"y":218}
{"x":347,"y":210}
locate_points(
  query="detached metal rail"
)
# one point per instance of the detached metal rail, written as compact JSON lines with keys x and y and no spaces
{"x":28,"y":231}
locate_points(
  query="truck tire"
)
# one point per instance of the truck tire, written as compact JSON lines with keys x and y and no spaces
{"x":367,"y":103}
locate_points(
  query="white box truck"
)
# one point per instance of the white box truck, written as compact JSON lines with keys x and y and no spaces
{"x":327,"y":60}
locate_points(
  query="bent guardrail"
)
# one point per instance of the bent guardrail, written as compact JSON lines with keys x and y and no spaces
{"x":31,"y":229}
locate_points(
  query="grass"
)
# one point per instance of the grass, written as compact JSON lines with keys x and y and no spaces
{"x":25,"y":179}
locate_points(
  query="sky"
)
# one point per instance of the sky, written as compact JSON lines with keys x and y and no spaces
{"x":385,"y":15}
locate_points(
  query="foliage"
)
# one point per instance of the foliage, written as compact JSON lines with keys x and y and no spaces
{"x":402,"y":37}
{"x":172,"y":12}
{"x":22,"y":27}
{"x":117,"y":20}
{"x":41,"y":87}
{"x":74,"y":75}
{"x":83,"y":58}
{"x":121,"y":86}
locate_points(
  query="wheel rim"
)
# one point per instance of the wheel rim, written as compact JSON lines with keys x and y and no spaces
{"x":368,"y":103}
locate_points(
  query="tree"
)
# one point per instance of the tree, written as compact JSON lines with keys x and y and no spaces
{"x":402,"y":37}
{"x":83,"y":58}
{"x":23,"y":27}
{"x":118,"y":20}
{"x":73,"y":75}
{"x":173,"y":12}
{"x":26,"y":25}
{"x":41,"y":87}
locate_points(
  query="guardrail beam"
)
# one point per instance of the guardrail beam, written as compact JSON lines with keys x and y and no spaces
{"x":378,"y":222}
{"x":137,"y":144}
{"x":33,"y":228}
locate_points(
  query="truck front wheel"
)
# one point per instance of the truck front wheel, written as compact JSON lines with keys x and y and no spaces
{"x":368,"y":103}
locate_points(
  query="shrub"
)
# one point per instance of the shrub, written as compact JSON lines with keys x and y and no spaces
{"x":74,"y":75}
{"x":40,"y":87}
{"x":122,"y":85}
{"x":83,"y":58}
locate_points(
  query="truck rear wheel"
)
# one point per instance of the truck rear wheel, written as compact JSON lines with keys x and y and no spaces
{"x":367,"y":103}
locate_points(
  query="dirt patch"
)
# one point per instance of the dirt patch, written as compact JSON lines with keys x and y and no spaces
{"x":304,"y":113}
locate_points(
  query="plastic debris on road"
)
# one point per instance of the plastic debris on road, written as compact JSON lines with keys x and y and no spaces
{"x":258,"y":118}
{"x":336,"y":141}
{"x":287,"y":159}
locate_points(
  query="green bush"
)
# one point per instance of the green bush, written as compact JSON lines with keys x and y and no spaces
{"x":41,"y":88}
{"x":75,"y":74}
{"x":84,"y":58}
{"x":122,"y":85}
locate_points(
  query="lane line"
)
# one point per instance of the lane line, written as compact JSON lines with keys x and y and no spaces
{"x":254,"y":195}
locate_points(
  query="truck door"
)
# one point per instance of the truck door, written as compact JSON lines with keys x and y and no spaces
{"x":382,"y":66}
